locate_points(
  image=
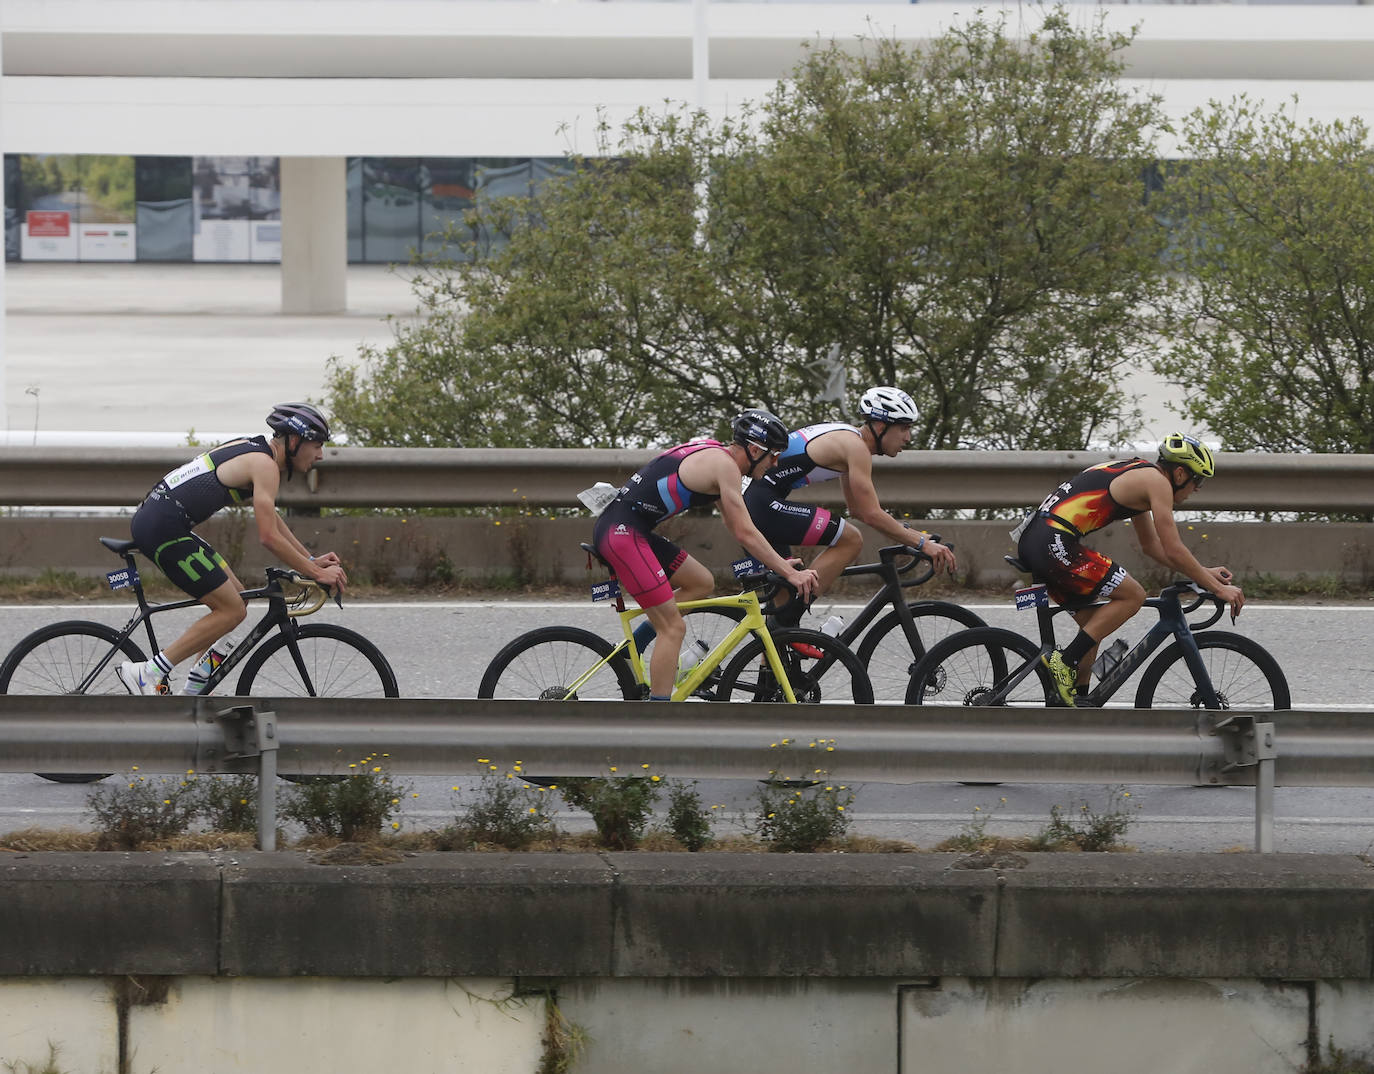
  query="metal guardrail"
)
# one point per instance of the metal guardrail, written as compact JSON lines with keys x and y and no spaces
{"x":539,"y":477}
{"x":881,"y":743}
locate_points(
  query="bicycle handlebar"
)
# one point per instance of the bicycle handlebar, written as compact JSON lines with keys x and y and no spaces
{"x":1177,"y":590}
{"x":890,"y":553}
{"x":306,"y":597}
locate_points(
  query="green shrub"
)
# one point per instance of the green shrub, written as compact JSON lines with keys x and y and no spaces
{"x":689,"y":822}
{"x":229,"y":803}
{"x":800,"y":820}
{"x":507,"y":812}
{"x":352,"y":808}
{"x":138,"y":810}
{"x":799,"y":814}
{"x":620,"y":805}
{"x":1088,"y":829}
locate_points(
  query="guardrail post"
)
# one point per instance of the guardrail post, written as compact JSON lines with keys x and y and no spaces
{"x":249,"y":733}
{"x":1247,"y":743}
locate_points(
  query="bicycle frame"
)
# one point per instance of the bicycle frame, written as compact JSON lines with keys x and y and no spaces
{"x":889,"y":594}
{"x":752,"y":622}
{"x":275,"y":616}
{"x":1173,"y":622}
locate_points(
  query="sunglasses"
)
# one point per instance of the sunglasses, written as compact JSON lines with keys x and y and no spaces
{"x":1197,"y":482}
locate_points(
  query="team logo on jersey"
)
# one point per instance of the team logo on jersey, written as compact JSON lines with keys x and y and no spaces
{"x":621,"y":530}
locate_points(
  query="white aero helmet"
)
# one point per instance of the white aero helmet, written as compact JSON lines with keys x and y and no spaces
{"x":888,"y":404}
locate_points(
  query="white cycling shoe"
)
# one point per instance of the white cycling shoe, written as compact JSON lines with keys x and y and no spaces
{"x":134,"y":676}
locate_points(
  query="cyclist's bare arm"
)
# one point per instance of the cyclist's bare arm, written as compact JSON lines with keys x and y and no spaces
{"x":861,"y":500}
{"x":1157,"y":532}
{"x":273,"y":532}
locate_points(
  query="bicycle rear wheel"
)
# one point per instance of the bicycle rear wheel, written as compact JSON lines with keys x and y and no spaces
{"x":543,"y":664}
{"x":1243,"y":673}
{"x":56,"y":659}
{"x":966,"y":668}
{"x":820,"y":669}
{"x":889,"y":657}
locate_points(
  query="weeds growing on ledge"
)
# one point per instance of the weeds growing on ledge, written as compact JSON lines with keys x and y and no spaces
{"x":355,"y":807}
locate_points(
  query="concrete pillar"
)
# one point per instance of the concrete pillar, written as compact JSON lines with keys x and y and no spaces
{"x":4,"y":402}
{"x":314,"y":235}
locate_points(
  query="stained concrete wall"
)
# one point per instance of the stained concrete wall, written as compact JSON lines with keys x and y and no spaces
{"x":547,"y":550}
{"x":226,"y":963}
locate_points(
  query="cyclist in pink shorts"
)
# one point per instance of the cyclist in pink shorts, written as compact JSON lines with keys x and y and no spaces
{"x":654,"y":570}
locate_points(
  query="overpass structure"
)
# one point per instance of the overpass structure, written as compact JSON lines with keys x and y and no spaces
{"x":315,"y":81}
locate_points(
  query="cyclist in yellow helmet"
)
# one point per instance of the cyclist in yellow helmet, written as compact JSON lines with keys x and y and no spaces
{"x":1076,"y":575}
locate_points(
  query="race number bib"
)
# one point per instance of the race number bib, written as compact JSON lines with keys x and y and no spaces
{"x":201,"y":464}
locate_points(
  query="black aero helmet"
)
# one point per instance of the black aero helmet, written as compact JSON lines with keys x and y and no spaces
{"x":761,"y":428}
{"x":299,"y":418}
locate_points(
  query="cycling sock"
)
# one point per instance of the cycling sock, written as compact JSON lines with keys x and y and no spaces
{"x":643,"y":634}
{"x":656,"y":697}
{"x":159,"y":665}
{"x":790,"y":613}
{"x":1077,"y":649}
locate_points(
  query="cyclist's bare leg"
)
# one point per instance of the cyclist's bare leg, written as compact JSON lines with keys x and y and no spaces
{"x":667,"y":620}
{"x":691,"y":581}
{"x":1101,"y":622}
{"x":227,"y":611}
{"x":838,"y":556}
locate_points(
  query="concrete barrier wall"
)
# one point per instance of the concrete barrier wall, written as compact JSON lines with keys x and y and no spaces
{"x":269,"y":962}
{"x":546,"y":550}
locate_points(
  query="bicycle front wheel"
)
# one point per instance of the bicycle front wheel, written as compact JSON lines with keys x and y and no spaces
{"x":967,"y":669}
{"x":545,"y":663}
{"x":336,"y":662}
{"x":57,"y":659}
{"x":820,"y":669}
{"x":889,"y":656}
{"x":1243,"y":674}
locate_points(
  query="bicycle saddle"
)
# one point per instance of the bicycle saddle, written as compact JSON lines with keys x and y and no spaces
{"x":592,"y":553}
{"x":1020,"y":567}
{"x":118,"y":547}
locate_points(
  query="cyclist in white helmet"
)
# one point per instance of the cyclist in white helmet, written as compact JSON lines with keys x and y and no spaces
{"x":243,"y":471}
{"x":838,"y":450}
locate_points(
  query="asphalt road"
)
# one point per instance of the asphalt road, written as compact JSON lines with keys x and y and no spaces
{"x":440,"y":649}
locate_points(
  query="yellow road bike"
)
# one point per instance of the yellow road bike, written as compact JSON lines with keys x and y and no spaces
{"x":745,"y":660}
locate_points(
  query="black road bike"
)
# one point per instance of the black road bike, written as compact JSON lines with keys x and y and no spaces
{"x":1217,"y":669}
{"x":279,"y":657}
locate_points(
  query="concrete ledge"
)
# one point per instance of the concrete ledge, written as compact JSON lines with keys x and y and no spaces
{"x":433,"y":915}
{"x":857,"y":915}
{"x":680,"y":915}
{"x":1182,"y":915}
{"x":81,"y":914}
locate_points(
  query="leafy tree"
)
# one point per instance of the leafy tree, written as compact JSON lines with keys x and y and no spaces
{"x":965,"y":219}
{"x":1273,"y":316}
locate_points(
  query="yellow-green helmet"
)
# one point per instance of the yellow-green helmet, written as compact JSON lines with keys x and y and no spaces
{"x":1188,"y":452}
